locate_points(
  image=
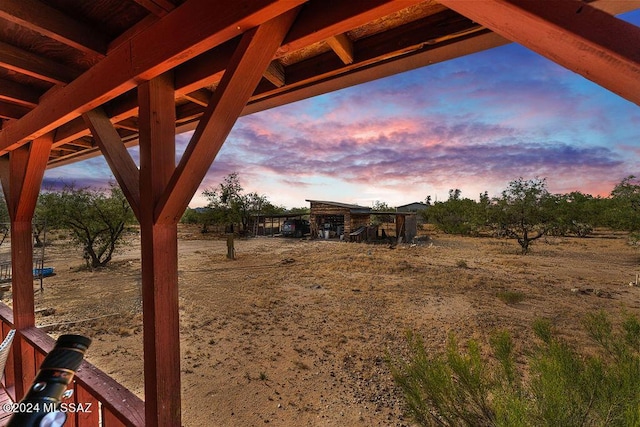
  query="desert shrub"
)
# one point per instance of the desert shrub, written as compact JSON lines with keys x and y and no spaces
{"x":564,"y":386}
{"x":510,"y":297}
{"x":462,"y":264}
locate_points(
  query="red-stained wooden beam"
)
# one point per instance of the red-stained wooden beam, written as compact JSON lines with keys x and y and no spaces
{"x":189,"y":30}
{"x":240,"y":79}
{"x":159,"y":256}
{"x":18,"y":94}
{"x":30,"y":64}
{"x":12,"y":111}
{"x":21,"y":175}
{"x":586,"y":40}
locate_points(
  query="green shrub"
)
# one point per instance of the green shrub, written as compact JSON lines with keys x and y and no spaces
{"x":564,"y":386}
{"x":510,"y":297}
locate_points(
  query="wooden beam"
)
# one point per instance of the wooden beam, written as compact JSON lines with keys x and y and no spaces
{"x":161,"y":337}
{"x":203,"y":25}
{"x":46,"y":20}
{"x":128,"y":124}
{"x":18,"y":94}
{"x":243,"y":73}
{"x":21,"y":175}
{"x":33,"y":65}
{"x":201,"y":97}
{"x":81,"y":143}
{"x":118,"y":158}
{"x":275,"y":74}
{"x":12,"y":111}
{"x":572,"y":33}
{"x":342,"y":46}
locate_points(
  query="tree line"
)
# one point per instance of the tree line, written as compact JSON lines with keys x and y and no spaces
{"x":97,"y":220}
{"x":526,"y":211}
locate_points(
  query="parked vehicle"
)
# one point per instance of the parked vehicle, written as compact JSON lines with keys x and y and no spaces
{"x":296,"y":227}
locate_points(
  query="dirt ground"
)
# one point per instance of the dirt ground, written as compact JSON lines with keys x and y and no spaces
{"x":294,"y":332}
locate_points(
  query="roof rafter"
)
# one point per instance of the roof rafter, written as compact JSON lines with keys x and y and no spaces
{"x":33,"y":65}
{"x":18,"y":94}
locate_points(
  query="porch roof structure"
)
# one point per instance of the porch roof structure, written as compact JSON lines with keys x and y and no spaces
{"x":84,"y":78}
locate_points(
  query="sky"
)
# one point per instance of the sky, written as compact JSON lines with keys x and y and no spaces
{"x":474,"y":123}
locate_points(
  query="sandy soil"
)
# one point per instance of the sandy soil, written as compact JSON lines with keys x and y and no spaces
{"x":295,"y":332}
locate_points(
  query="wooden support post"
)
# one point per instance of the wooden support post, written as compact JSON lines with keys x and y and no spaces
{"x":164,"y":192}
{"x":159,"y":255}
{"x":21,"y":175}
{"x":231,"y":251}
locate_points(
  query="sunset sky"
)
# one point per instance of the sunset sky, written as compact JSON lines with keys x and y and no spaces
{"x":474,"y":123}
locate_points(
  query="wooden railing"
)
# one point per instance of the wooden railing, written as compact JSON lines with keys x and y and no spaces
{"x":105,"y":402}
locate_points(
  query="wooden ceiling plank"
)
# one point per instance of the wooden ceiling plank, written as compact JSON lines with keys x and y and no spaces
{"x":33,"y":65}
{"x":243,"y":73}
{"x":585,"y":40}
{"x":116,"y":155}
{"x":275,"y":74}
{"x":157,"y":7}
{"x":342,"y":46}
{"x":40,"y":17}
{"x":18,"y":94}
{"x":203,"y":25}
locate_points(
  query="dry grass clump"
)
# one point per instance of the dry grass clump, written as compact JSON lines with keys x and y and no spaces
{"x":511,"y":297}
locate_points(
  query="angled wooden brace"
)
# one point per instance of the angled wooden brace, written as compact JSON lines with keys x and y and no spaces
{"x":249,"y":62}
{"x":117,"y":156}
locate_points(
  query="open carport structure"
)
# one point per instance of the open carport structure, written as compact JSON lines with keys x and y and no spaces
{"x":82,"y":78}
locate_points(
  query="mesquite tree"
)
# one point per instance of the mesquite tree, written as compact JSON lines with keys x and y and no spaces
{"x":97,"y":219}
{"x":524,"y":211}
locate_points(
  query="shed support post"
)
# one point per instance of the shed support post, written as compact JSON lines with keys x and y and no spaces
{"x":21,"y":175}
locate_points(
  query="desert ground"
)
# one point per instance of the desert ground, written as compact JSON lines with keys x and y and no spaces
{"x":294,"y":332}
